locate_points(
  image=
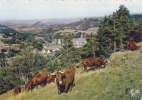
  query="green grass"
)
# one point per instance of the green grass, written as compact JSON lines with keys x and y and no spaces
{"x":115,"y":82}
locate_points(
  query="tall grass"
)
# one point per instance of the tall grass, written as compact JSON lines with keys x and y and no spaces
{"x":115,"y":82}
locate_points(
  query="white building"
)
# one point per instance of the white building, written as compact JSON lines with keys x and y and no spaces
{"x":43,"y":51}
{"x":48,"y":52}
{"x":79,"y":42}
{"x":59,"y":41}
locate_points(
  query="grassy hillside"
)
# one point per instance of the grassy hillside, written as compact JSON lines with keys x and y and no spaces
{"x":120,"y":80}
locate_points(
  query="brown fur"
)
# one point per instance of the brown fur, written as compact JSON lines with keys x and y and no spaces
{"x":51,"y":78}
{"x":66,"y":78}
{"x":95,"y":62}
{"x":72,"y":69}
{"x":17,"y":90}
{"x":131,"y":45}
{"x":59,"y":78}
{"x":39,"y":79}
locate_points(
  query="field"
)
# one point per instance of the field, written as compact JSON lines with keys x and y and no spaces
{"x":120,"y":80}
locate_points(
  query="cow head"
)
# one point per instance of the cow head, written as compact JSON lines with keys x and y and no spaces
{"x":59,"y":77}
{"x":26,"y":89}
{"x":105,"y":63}
{"x":51,"y":78}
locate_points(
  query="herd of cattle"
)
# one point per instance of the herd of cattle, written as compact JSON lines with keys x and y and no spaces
{"x":65,"y":80}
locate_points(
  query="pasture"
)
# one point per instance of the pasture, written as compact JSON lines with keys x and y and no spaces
{"x":120,"y":80}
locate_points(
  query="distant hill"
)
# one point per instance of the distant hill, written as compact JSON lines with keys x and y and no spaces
{"x":82,"y":24}
{"x":37,"y":26}
{"x":136,"y":16}
{"x":6,"y":29}
{"x":85,"y":23}
{"x":41,"y":25}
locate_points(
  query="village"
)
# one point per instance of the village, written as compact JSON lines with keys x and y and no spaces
{"x":49,"y":48}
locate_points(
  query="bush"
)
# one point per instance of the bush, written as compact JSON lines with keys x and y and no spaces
{"x":3,"y":50}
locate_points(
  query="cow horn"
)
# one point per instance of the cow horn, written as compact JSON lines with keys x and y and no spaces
{"x":52,"y":74}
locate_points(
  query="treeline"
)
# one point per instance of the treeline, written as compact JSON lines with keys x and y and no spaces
{"x":114,"y":31}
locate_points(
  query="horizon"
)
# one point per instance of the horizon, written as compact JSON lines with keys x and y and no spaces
{"x":57,"y":9}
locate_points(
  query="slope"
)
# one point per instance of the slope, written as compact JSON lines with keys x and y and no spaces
{"x":120,"y":80}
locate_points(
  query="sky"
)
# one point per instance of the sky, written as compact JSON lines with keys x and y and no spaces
{"x":63,"y":9}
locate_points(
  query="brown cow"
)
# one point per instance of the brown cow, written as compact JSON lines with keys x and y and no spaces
{"x":65,"y":80}
{"x":95,"y":62}
{"x":131,"y":45}
{"x":51,"y":78}
{"x":72,"y":69}
{"x":39,"y":79}
{"x":17,"y":90}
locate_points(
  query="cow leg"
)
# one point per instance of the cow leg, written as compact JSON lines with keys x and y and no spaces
{"x":36,"y":86}
{"x":85,"y":69}
{"x":66,"y":88}
{"x":95,"y":67}
{"x":59,"y":91}
{"x":71,"y":85}
{"x":32,"y":88}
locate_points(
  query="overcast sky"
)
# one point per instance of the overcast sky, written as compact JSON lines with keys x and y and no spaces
{"x":60,"y":9}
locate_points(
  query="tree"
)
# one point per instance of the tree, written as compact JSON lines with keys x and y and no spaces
{"x":136,"y":33}
{"x":27,"y":64}
{"x":3,"y":60}
{"x":114,"y":32}
{"x":37,"y":45}
{"x":104,"y":37}
{"x":69,"y":54}
{"x":90,"y":48}
{"x":7,"y":80}
{"x":123,"y":25}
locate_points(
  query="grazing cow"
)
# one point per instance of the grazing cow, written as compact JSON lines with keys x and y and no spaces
{"x":65,"y":80}
{"x":51,"y":78}
{"x":95,"y":62}
{"x":39,"y":79}
{"x":131,"y":45}
{"x":17,"y":90}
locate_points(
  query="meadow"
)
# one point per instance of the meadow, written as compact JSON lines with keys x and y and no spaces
{"x":120,"y":80}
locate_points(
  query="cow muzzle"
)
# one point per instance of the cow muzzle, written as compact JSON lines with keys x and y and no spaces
{"x":60,"y":82}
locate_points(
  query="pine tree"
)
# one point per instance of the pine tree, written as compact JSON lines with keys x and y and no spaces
{"x":123,"y":26}
{"x":136,"y":33}
{"x":114,"y":32}
{"x":90,"y":48}
{"x":104,"y":37}
{"x":69,"y":52}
